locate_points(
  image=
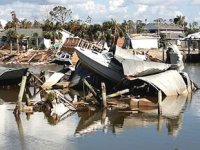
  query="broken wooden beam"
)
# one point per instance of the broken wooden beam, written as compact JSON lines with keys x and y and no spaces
{"x":94,"y":93}
{"x":32,"y":57}
{"x":64,"y":100}
{"x":36,"y":77}
{"x":159,"y":102}
{"x":20,"y":95}
{"x":103,"y":89}
{"x":118,"y":93}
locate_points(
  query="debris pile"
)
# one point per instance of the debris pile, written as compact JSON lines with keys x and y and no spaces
{"x":31,"y":56}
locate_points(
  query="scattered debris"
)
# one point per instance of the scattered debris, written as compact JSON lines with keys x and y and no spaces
{"x":31,"y":56}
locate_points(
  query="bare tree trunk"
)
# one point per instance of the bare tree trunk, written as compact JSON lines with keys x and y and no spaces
{"x":37,"y":43}
{"x":27,"y":45}
{"x":10,"y":47}
{"x":17,"y":46}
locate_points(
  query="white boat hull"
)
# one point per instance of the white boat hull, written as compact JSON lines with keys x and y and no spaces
{"x":99,"y":64}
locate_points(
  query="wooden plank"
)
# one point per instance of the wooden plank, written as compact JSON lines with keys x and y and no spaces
{"x":52,"y":80}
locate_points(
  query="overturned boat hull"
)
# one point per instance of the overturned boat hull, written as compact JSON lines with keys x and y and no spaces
{"x":61,"y":62}
{"x":11,"y":76}
{"x":98,"y":63}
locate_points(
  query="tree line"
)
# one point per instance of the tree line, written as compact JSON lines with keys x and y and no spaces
{"x":61,"y":18}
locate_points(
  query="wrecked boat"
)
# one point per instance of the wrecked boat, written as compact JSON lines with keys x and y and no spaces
{"x":117,"y":63}
{"x":11,"y":76}
{"x":101,"y":63}
{"x":136,"y":72}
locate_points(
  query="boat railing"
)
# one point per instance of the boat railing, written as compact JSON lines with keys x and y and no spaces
{"x":88,"y":45}
{"x":73,"y":42}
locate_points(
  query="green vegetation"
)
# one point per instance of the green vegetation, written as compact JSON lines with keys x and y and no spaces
{"x":60,"y":18}
{"x":11,"y":37}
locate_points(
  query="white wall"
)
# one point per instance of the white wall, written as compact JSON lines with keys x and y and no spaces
{"x":65,"y":35}
{"x":47,"y":43}
{"x":147,"y":43}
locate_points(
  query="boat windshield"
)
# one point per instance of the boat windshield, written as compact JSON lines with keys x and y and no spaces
{"x":67,"y":56}
{"x":108,"y":55}
{"x":62,"y":56}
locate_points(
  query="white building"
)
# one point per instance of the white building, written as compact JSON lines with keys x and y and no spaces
{"x":144,"y":42}
{"x":65,"y":34}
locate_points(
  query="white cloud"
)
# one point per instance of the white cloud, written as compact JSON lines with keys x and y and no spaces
{"x":195,"y":2}
{"x":155,"y":2}
{"x":3,"y":22}
{"x":115,"y":4}
{"x":67,"y":2}
{"x":100,"y":10}
{"x":91,"y":7}
{"x":75,"y":17}
{"x":197,"y":18}
{"x":178,"y":13}
{"x":25,"y":11}
{"x":142,"y":8}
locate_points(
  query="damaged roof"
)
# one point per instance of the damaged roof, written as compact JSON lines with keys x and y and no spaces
{"x":169,"y":82}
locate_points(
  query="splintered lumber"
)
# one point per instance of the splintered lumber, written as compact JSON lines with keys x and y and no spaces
{"x":52,"y":80}
{"x":27,"y":109}
{"x":22,"y":88}
{"x":20,"y":95}
{"x":32,"y":57}
{"x":143,"y":104}
{"x":90,"y":87}
{"x":159,"y":102}
{"x":103,"y":89}
{"x":94,"y":93}
{"x":62,"y":85}
{"x":37,"y":77}
{"x":64,"y":100}
{"x":118,"y":93}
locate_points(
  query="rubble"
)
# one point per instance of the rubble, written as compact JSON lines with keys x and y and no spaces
{"x":31,"y":56}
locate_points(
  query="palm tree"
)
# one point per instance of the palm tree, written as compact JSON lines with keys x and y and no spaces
{"x":17,"y":40}
{"x":21,"y":37}
{"x":11,"y":36}
{"x":1,"y":27}
{"x":9,"y":24}
{"x":106,"y":32}
{"x":140,"y":26}
{"x":35,"y":36}
{"x":50,"y":30}
{"x":114,"y":28}
{"x":25,"y":24}
{"x":180,"y":20}
{"x":36,"y":24}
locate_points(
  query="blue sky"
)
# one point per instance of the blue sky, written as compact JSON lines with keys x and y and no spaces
{"x":101,"y":10}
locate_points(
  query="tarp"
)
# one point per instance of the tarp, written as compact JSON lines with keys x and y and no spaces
{"x":4,"y":69}
{"x":169,"y":82}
